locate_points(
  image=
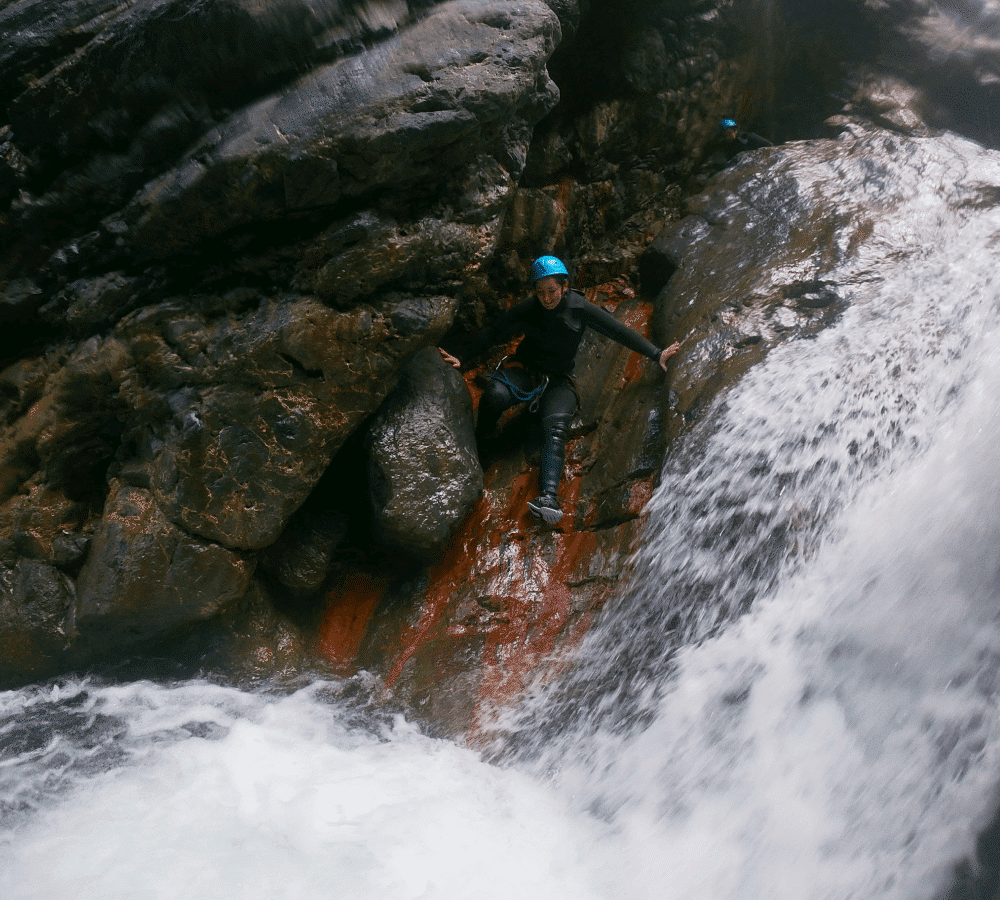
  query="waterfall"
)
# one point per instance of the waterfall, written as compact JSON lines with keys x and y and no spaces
{"x":797,"y":697}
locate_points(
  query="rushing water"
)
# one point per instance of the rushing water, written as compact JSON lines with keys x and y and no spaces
{"x":798,"y":697}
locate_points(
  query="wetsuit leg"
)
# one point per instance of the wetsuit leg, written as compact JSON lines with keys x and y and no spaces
{"x":497,"y":398}
{"x":558,"y":406}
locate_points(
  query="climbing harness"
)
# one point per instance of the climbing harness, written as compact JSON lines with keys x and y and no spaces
{"x":532,"y":397}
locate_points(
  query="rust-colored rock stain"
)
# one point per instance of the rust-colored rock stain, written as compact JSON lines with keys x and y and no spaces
{"x":538,"y":618}
{"x":349,"y":607}
{"x":471,"y":633}
{"x":444,"y":578}
{"x":507,"y":588}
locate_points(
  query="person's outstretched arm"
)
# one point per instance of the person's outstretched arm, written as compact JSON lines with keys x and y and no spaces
{"x":604,"y":323}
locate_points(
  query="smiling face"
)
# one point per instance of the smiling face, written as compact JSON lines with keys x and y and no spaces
{"x":550,"y":292}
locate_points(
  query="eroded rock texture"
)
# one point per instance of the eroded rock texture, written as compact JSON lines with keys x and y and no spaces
{"x":233,"y":232}
{"x":228,"y":227}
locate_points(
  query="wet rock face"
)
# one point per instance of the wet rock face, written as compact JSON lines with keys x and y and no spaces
{"x":129,"y":148}
{"x":184,"y":348}
{"x":144,"y":576}
{"x":772,"y":252}
{"x":787,"y":238}
{"x":223,"y":258}
{"x":223,"y":421}
{"x":383,"y":119}
{"x":423,"y":471}
{"x":228,"y":227}
{"x":642,"y":85}
{"x":467,"y":632}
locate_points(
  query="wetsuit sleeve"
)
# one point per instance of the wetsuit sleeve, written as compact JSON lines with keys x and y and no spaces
{"x":604,"y":323}
{"x":507,"y":325}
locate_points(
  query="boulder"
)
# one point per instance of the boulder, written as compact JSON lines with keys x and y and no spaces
{"x":37,"y":618}
{"x":300,"y":559}
{"x":119,"y":160}
{"x":144,"y":577}
{"x":384,"y":119}
{"x":424,"y":474}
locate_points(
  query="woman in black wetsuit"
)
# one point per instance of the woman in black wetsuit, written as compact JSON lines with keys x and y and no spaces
{"x":553,"y":323}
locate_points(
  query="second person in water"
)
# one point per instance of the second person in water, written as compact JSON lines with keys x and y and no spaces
{"x":552,"y":323}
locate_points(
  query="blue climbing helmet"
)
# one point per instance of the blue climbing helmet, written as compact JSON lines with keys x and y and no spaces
{"x":545,"y":266}
{"x":727,"y":123}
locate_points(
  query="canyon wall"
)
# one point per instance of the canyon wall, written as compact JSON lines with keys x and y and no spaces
{"x":233,"y":232}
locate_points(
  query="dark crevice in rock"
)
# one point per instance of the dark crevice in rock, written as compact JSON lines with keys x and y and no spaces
{"x":297,"y":367}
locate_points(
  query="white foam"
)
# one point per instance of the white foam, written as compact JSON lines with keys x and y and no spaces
{"x":290,"y":804}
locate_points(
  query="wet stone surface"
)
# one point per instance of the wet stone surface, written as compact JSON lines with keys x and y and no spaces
{"x":224,"y":271}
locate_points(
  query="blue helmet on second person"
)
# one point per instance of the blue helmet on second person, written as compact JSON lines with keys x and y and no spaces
{"x":545,"y":266}
{"x":726,"y":124}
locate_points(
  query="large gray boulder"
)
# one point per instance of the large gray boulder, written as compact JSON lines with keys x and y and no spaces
{"x":154,"y":159}
{"x":145,"y":577}
{"x":781,"y":243}
{"x":424,"y":473}
{"x":470,"y":75}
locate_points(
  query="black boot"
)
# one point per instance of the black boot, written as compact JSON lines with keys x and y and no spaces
{"x":555,"y":432}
